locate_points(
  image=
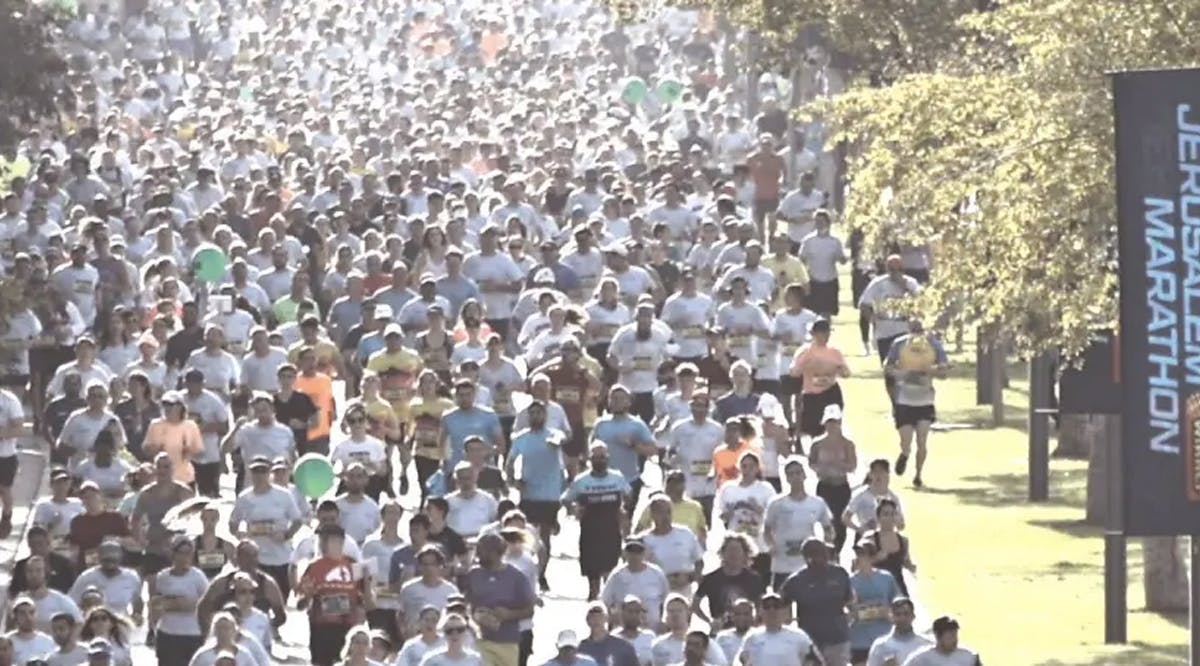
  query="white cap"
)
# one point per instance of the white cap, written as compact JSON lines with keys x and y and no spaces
{"x":567,"y":639}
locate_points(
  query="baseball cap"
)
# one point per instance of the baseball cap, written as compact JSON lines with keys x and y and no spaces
{"x":832,"y":413}
{"x":567,"y":639}
{"x":393,"y":329}
{"x":259,"y":462}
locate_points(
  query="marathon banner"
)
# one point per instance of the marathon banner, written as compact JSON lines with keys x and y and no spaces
{"x":1158,"y":207}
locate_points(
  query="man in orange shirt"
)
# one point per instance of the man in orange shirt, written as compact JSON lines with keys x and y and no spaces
{"x":740,"y":437}
{"x":819,"y":365}
{"x":766,"y":170}
{"x":319,"y":388}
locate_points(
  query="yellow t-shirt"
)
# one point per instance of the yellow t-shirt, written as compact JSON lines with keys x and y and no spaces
{"x":398,"y":370}
{"x":786,"y":271}
{"x":326,"y":351}
{"x":426,"y":418}
{"x":686,"y":512}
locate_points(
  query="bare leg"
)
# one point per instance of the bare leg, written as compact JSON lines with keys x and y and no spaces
{"x":922,"y":452}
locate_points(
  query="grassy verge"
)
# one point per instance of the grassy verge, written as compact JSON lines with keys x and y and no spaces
{"x":1024,"y":580}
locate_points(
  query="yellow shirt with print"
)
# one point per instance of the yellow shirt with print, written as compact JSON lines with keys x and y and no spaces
{"x":398,"y":370}
{"x":327,"y":353}
{"x":787,"y":270}
{"x":686,"y":512}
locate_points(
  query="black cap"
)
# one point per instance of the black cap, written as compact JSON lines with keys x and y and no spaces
{"x":820,"y":326}
{"x":194,"y":375}
{"x":331,"y":530}
{"x":635,"y":543}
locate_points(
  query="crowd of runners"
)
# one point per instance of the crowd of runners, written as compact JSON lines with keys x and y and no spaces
{"x":507,"y":266}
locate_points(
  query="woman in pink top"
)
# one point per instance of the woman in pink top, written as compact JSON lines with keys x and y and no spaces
{"x":177,"y":435}
{"x":820,"y":365}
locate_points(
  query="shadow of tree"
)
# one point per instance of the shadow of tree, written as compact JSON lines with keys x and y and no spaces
{"x":1136,"y":654}
{"x":1003,"y":490}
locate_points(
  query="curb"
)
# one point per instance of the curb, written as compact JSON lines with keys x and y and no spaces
{"x":32,"y":482}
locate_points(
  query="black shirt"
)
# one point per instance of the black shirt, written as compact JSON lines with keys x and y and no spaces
{"x":58,"y":410}
{"x":298,"y":406}
{"x":60,"y":576}
{"x":181,"y":345}
{"x":722,"y":590}
{"x":450,"y":542}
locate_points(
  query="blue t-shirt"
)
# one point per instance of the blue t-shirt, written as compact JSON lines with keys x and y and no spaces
{"x":541,"y":463}
{"x":369,"y":344}
{"x":403,"y":564}
{"x":877,"y":590}
{"x":610,"y":650}
{"x":599,"y":497}
{"x":461,"y":423}
{"x":622,"y":434}
{"x":456,"y":291}
{"x":732,"y":405}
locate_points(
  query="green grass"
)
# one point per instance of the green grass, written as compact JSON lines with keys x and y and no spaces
{"x":1025,"y":580}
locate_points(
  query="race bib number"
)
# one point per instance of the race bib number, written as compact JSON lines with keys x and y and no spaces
{"x":335,"y":604}
{"x":83,"y":287}
{"x":363,"y":457}
{"x":568,"y":395}
{"x":384,"y":592}
{"x":211,"y":560}
{"x":643,"y":364}
{"x":691,"y":332}
{"x":262,"y":528}
{"x":701,"y":467}
{"x":873,"y":612}
{"x":608,"y":330}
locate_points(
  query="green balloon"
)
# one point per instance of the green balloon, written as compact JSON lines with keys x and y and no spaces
{"x":313,"y":475}
{"x":670,"y":90}
{"x":209,"y":264}
{"x":635,"y":91}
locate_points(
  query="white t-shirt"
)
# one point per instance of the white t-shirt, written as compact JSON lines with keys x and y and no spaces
{"x":675,"y":552}
{"x":883,"y":288}
{"x":863,"y":502}
{"x":607,"y":321}
{"x":793,"y":331}
{"x":799,"y":207}
{"x":667,"y":649}
{"x":78,"y":285}
{"x":440,"y":657}
{"x":743,"y":508}
{"x":899,"y":648}
{"x":930,"y":656}
{"x":742,"y":323}
{"x":221,"y":370}
{"x":468,"y":515}
{"x":787,"y":646}
{"x":693,"y":444}
{"x":790,"y":522}
{"x":821,"y":255}
{"x":370,"y":451}
{"x":359,"y":518}
{"x":266,"y":515}
{"x":28,"y":647}
{"x":415,"y":649}
{"x":52,"y":604}
{"x":11,"y":413}
{"x":497,"y":267}
{"x":415,"y":595}
{"x":643,"y":355}
{"x":687,"y":316}
{"x":650,"y":585}
{"x":23,"y":327}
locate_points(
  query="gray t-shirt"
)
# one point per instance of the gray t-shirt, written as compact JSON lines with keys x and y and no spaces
{"x":261,"y":373}
{"x":415,"y":595}
{"x":505,"y":587}
{"x":74,"y":657}
{"x":271,"y":441}
{"x":119,"y":590}
{"x":210,"y":409}
{"x":360,"y":518}
{"x":265,"y":515}
{"x":820,"y":599}
{"x":190,"y":585}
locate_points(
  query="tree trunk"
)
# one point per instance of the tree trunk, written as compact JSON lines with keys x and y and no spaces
{"x":1076,"y":432}
{"x":1093,"y":430}
{"x":996,"y":357}
{"x":1165,"y":578}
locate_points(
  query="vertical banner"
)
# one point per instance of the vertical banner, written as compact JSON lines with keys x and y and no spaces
{"x":1158,"y":208}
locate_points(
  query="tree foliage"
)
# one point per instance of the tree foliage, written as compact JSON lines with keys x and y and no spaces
{"x":986,"y":129}
{"x":32,"y":71}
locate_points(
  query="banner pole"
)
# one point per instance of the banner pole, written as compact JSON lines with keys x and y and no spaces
{"x":1116,"y":577}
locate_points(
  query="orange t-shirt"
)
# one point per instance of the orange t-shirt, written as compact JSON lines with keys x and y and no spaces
{"x":180,"y":440}
{"x":766,"y":171}
{"x":319,"y":388}
{"x":337,"y":596}
{"x":819,"y":366}
{"x":725,"y":461}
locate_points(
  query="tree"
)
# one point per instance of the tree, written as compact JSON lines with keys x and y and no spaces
{"x":32,"y":71}
{"x":985,"y":129}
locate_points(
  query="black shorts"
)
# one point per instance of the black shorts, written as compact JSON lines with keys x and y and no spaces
{"x":541,"y":512}
{"x":152,"y":563}
{"x":599,"y":552}
{"x":14,"y":381}
{"x":908,"y":415}
{"x":771,"y":386}
{"x":326,"y":642}
{"x":812,"y":408}
{"x":789,"y":385}
{"x":8,"y":471}
{"x":576,"y":446}
{"x":823,"y":297}
{"x":884,"y":345}
{"x":859,"y":655}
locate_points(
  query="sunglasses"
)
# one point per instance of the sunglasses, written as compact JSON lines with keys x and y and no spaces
{"x":455,"y":630}
{"x":357,"y":419}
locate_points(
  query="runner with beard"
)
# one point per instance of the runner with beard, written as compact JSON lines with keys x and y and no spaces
{"x":596,"y":500}
{"x":572,"y":386}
